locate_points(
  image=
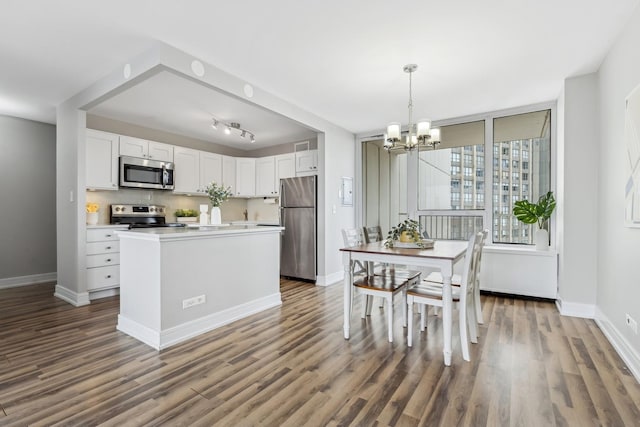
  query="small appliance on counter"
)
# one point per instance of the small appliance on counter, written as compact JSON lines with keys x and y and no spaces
{"x":141,"y":216}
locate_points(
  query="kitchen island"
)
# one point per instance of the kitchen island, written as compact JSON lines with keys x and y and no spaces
{"x":176,"y":283}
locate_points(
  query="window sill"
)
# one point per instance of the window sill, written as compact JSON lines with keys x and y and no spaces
{"x":528,"y":250}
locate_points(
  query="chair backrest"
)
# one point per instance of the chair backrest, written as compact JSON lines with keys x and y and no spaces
{"x":352,"y":237}
{"x":470,"y":267}
{"x":372,"y":234}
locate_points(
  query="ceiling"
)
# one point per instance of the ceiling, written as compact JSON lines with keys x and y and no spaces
{"x":341,"y":60}
{"x":174,"y":104}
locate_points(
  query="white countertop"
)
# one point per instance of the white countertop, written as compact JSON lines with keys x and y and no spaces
{"x":107,"y":226}
{"x":205,"y":231}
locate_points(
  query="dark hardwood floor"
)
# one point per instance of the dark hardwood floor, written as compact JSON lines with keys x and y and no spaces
{"x":61,"y":365}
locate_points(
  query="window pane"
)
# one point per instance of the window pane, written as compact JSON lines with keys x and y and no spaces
{"x":458,"y":159}
{"x":522,"y":154}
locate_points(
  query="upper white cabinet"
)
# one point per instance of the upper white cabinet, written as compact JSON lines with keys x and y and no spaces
{"x":102,"y":160}
{"x":265,"y":176}
{"x":210,"y":169}
{"x":285,"y":168}
{"x":229,"y":173}
{"x":186,"y":177}
{"x":137,"y":147}
{"x":245,"y":177}
{"x":306,"y":162}
{"x":195,"y":169}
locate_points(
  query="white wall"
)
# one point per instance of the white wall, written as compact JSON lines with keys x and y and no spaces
{"x":618,"y":289}
{"x":578,"y":143}
{"x":27,"y":201}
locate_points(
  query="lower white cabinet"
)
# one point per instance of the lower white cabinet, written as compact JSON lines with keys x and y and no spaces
{"x":103,"y":258}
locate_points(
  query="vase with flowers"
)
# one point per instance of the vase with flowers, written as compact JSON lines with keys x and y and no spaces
{"x":217,"y":194}
{"x":92,"y":213}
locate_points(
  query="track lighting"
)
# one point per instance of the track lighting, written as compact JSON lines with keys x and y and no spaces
{"x":233,"y":125}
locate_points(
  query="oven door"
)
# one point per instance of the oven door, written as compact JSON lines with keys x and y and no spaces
{"x":145,"y":173}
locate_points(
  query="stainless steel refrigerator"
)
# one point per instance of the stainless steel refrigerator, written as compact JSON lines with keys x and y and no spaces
{"x":298,"y":217}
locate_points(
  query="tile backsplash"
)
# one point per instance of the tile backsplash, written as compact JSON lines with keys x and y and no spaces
{"x":258,"y":209}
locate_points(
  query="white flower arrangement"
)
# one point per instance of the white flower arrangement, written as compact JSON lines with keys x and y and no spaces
{"x":217,"y":193}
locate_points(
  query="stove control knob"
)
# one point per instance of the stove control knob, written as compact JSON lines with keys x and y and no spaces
{"x":117,"y":209}
{"x":161,"y":210}
{"x":152,"y":209}
{"x":123,"y":209}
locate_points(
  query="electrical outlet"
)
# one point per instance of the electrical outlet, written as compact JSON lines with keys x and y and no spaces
{"x":632,"y":324}
{"x":190,"y":302}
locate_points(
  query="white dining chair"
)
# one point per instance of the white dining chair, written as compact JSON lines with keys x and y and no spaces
{"x":431,"y":294}
{"x":436,"y":277}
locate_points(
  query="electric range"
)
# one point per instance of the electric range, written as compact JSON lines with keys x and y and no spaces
{"x":141,"y":216}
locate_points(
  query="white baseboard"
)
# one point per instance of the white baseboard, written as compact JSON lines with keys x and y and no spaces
{"x":164,"y":339}
{"x":619,"y":343}
{"x":104,"y":293}
{"x":12,"y":282}
{"x":330,"y":279}
{"x":73,"y":298}
{"x":573,"y":309}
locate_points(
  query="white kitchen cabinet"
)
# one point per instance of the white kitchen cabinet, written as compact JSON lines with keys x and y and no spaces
{"x":306,"y":162}
{"x":195,"y":169}
{"x":265,"y":176}
{"x":186,"y":175}
{"x":103,"y":260}
{"x":142,"y":148}
{"x":285,"y":168}
{"x":210,"y":169}
{"x":229,"y":173}
{"x":102,"y":150}
{"x":245,"y":177}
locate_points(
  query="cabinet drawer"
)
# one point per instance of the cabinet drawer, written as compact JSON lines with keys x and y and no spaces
{"x":103,"y":247}
{"x":102,"y":234}
{"x":103,"y":277}
{"x":103,"y":260}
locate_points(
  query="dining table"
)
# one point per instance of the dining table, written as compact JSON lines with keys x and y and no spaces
{"x":443,"y":256}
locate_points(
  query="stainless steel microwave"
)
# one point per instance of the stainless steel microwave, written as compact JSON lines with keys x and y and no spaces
{"x":145,"y":173}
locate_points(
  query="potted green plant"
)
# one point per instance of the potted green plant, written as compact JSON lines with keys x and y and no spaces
{"x":217,"y":194}
{"x":408,"y":231}
{"x":186,"y":215}
{"x":537,"y":213}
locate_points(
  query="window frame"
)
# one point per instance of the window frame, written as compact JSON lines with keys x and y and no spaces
{"x":487,"y":212}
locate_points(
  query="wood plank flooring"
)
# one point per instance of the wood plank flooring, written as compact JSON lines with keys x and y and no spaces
{"x":290,"y":366}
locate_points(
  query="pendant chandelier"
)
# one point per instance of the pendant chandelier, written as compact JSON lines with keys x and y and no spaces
{"x":418,"y":135}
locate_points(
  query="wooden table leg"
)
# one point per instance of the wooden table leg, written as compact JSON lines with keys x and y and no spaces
{"x":348,"y":283}
{"x":447,"y":317}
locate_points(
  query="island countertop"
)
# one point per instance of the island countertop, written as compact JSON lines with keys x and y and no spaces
{"x":195,"y":232}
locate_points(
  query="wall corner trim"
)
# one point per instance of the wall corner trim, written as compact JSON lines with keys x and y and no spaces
{"x":624,"y":349}
{"x":330,"y":279}
{"x":574,"y":309}
{"x":73,"y":298}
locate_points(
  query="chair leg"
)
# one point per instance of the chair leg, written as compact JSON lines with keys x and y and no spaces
{"x":390,"y":316}
{"x":369,"y":304}
{"x":410,"y":321}
{"x":365,"y":302}
{"x":404,"y":308}
{"x":381,"y":305}
{"x":464,"y":339}
{"x":478,"y":305}
{"x":473,"y":325}
{"x":423,"y":317}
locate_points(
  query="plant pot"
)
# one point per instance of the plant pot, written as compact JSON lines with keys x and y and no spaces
{"x":406,"y":237}
{"x":187,"y":219}
{"x":92,"y":218}
{"x":541,"y":238}
{"x":216,"y":217}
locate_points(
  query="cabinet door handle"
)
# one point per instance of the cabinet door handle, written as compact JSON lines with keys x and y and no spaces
{"x":108,"y":260}
{"x":107,"y":235}
{"x":108,"y":276}
{"x":108,"y":247}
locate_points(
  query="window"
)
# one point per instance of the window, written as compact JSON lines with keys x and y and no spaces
{"x":525,"y":136}
{"x":452,"y":176}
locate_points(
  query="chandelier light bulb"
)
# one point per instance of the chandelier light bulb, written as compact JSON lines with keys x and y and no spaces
{"x":227,"y":130}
